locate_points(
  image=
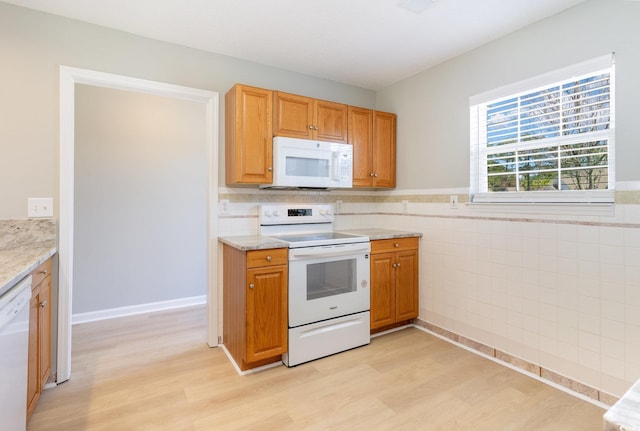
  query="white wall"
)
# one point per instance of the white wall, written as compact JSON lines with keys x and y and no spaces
{"x":558,"y":290}
{"x":33,"y":45}
{"x":433,"y":106}
{"x":140,"y":225}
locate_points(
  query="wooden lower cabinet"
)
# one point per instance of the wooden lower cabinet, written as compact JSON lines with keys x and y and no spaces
{"x":39,"y":362}
{"x":394,"y":281}
{"x":255,"y":305}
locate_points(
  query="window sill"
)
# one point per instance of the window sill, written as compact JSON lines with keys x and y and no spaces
{"x":535,"y":208}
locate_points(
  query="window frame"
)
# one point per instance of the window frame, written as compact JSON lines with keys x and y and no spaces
{"x":594,"y":66}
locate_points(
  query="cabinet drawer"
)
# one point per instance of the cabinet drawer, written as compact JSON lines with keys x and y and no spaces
{"x":40,"y":273}
{"x":394,"y":244}
{"x":272,"y":256}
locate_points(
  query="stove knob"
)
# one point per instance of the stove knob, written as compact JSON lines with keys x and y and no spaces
{"x":322,"y":212}
{"x":329,"y":212}
{"x":267,"y":213}
{"x":276,"y":213}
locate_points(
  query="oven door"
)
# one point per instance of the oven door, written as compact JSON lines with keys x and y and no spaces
{"x":327,"y":282}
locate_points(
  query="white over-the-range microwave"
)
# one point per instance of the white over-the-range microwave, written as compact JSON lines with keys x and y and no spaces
{"x":303,"y":163}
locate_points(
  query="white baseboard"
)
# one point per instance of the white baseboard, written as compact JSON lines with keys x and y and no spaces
{"x":130,"y":310}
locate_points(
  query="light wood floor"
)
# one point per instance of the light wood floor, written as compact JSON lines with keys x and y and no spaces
{"x":155,"y":372}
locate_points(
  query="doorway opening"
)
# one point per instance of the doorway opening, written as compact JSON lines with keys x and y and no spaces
{"x":69,"y":77}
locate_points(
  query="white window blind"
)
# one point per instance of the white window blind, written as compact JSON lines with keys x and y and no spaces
{"x":548,"y":139}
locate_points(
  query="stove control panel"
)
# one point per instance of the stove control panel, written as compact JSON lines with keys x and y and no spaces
{"x":295,"y":214}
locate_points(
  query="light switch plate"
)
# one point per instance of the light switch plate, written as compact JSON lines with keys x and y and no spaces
{"x":40,"y":207}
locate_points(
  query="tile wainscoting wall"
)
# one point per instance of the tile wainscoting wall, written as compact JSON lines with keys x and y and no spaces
{"x":561,"y":292}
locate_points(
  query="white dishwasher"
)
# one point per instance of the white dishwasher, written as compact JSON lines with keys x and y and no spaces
{"x":14,"y":355}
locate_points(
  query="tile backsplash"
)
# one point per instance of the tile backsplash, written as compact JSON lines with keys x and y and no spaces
{"x":556,"y":286}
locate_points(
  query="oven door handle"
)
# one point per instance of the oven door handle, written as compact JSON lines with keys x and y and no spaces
{"x":327,"y":253}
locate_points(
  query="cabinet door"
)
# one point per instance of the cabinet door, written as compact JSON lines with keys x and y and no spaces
{"x":44,"y":331}
{"x":331,"y":121}
{"x":384,"y":149}
{"x":266,"y":312}
{"x":406,"y":285}
{"x":33,"y":374}
{"x":293,"y":116}
{"x":248,"y":135}
{"x":383,"y":308}
{"x":361,"y":137}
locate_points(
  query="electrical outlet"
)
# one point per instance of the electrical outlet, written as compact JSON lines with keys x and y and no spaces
{"x":338,"y":206}
{"x":224,"y":205}
{"x":453,"y":201}
{"x":405,"y":206}
{"x":40,"y":207}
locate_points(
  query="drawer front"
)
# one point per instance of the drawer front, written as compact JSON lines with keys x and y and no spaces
{"x":272,"y":256}
{"x":394,"y":244}
{"x":40,"y":273}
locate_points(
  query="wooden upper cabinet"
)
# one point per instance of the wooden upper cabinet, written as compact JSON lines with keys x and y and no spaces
{"x":306,"y":118}
{"x":293,"y":116}
{"x":373,"y":136}
{"x":361,"y":138}
{"x":331,"y":121}
{"x":248,"y":140}
{"x":384,"y":149}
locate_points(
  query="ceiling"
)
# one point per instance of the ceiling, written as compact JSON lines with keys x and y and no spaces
{"x":367,"y":43}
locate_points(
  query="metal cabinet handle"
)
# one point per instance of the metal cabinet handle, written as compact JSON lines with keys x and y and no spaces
{"x":43,"y":304}
{"x":268,"y":258}
{"x":251,"y":286}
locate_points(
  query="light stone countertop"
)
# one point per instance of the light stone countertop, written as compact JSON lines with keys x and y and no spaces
{"x":24,"y":244}
{"x":252,"y":242}
{"x":376,"y":233}
{"x":18,"y":262}
{"x":625,"y":414}
{"x":258,"y":242}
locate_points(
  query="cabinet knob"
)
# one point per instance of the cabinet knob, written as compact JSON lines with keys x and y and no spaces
{"x":44,"y":271}
{"x":270,"y":169}
{"x":397,"y":265}
{"x":43,"y":304}
{"x":251,"y":286}
{"x":268,"y":258}
{"x":310,"y":127}
{"x":375,"y":175}
{"x":371,"y":174}
{"x":396,"y":245}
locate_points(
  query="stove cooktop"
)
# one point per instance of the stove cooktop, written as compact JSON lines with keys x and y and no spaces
{"x":319,"y":239}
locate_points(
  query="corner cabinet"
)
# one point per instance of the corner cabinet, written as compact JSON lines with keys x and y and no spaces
{"x":306,"y":118}
{"x":255,"y":305}
{"x":248,"y":135}
{"x":373,"y":136}
{"x":39,"y":362}
{"x":394,"y":281}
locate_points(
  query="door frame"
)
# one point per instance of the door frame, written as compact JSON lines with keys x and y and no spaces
{"x":69,"y":77}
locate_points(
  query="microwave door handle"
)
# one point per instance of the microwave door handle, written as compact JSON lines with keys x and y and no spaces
{"x":335,"y":166}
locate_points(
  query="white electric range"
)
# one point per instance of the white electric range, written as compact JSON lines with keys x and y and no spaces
{"x":329,"y":292}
